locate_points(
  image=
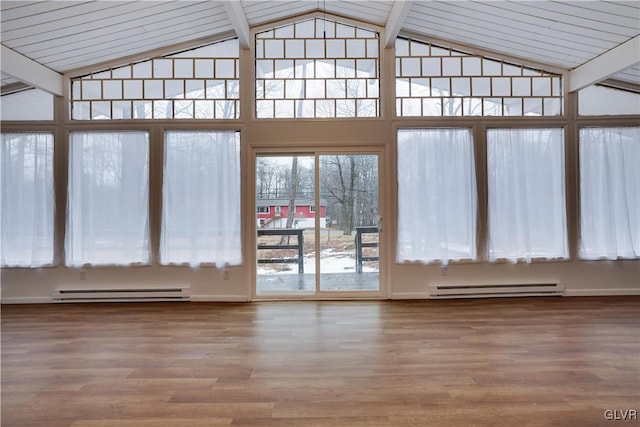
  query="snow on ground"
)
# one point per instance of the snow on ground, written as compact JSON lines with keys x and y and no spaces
{"x":332,"y":262}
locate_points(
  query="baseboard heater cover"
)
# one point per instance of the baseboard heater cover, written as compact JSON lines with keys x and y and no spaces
{"x":442,"y":291}
{"x":122,"y":295}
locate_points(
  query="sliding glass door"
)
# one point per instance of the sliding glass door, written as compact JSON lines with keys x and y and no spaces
{"x":317,"y":224}
{"x":285,"y":224}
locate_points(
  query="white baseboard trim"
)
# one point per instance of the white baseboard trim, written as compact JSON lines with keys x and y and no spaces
{"x":568,"y":293}
{"x":194,"y":298}
{"x":219,"y":298}
{"x":409,"y":295}
{"x":27,"y":300}
{"x":601,"y":292}
{"x":394,"y":296}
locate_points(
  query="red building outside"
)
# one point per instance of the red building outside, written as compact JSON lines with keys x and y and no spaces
{"x":272,"y":213}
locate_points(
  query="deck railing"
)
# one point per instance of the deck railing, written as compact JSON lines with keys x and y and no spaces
{"x":369,"y":229}
{"x":284,"y":232}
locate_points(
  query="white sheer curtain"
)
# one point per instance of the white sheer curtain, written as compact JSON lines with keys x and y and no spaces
{"x":437,"y":200}
{"x":527,"y":217}
{"x":27,"y":200}
{"x":610,"y":192}
{"x":108,"y":199}
{"x":201,"y":199}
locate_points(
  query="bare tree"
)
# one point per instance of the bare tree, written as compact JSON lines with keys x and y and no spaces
{"x":350,"y":185}
{"x":293,"y":189}
{"x":340,"y":184}
{"x":266,"y":178}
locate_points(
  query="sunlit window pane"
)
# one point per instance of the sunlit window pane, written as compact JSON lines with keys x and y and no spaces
{"x":108,"y":199}
{"x":437,"y":200}
{"x":318,"y":63}
{"x":147,"y":89}
{"x":527,"y":217}
{"x":498,"y":88}
{"x":610,"y":193}
{"x":201,"y":199}
{"x":26,"y":200}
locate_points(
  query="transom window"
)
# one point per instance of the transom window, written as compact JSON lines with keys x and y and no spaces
{"x":197,"y":84}
{"x":600,"y":100}
{"x":317,"y":68}
{"x":29,"y":104}
{"x":437,"y":81}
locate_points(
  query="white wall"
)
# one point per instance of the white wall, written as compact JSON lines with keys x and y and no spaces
{"x":580,"y":278}
{"x":206,"y":283}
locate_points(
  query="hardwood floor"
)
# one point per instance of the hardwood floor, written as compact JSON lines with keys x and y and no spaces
{"x":500,"y":362}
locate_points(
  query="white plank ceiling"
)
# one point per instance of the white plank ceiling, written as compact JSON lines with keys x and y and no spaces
{"x":68,"y":36}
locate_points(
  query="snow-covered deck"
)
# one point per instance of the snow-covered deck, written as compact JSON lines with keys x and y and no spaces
{"x":268,"y":284}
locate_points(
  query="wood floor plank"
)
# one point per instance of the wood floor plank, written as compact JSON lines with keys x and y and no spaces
{"x":154,"y":422}
{"x":494,"y":362}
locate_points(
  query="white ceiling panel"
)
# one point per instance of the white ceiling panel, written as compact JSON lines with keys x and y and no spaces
{"x":77,"y":35}
{"x":16,"y":9}
{"x":8,"y":80}
{"x":495,"y":38}
{"x":108,"y":44}
{"x":629,"y":75}
{"x":593,"y":13}
{"x":591,"y":23}
{"x":375,"y":12}
{"x":262,"y":12}
{"x":37,"y":15}
{"x":519,"y":34}
{"x":71,"y":37}
{"x":105,"y":19}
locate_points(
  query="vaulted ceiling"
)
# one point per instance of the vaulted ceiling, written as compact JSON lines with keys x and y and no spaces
{"x":590,"y":40}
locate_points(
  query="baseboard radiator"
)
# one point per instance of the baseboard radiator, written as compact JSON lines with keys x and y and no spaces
{"x":443,"y":291}
{"x":122,"y":295}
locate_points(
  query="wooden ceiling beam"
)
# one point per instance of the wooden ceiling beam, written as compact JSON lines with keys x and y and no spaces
{"x":398,"y":13}
{"x":239,"y":21}
{"x":606,"y":65}
{"x":30,"y":72}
